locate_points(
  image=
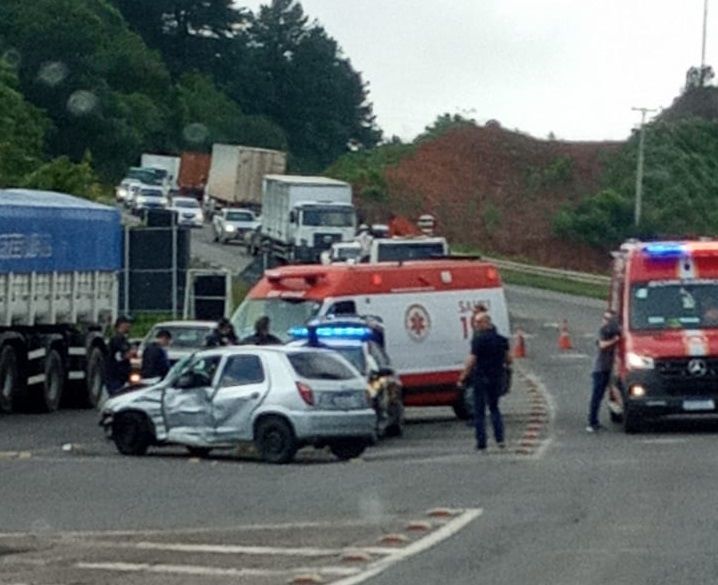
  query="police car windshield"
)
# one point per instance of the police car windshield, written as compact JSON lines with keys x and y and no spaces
{"x":674,"y":305}
{"x":283,"y":313}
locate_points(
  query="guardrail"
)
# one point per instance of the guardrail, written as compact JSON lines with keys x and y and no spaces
{"x":572,"y":275}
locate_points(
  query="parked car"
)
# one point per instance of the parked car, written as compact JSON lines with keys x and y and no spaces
{"x":149,"y":198}
{"x":281,"y":398}
{"x":188,"y":211}
{"x":234,"y":225}
{"x":361,"y":341}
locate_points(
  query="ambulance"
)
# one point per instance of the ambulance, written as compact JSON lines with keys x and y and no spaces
{"x":425,"y":307}
{"x":666,"y":297}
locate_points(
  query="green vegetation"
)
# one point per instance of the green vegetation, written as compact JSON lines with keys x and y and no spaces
{"x":105,"y":80}
{"x":555,"y":284}
{"x":557,"y":173}
{"x":680,"y":188}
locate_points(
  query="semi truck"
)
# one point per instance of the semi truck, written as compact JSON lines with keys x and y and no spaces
{"x":303,"y":216}
{"x":169,"y":164}
{"x":59,"y":260}
{"x":236,"y":173}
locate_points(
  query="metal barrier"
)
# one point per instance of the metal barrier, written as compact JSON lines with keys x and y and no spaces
{"x":571,"y":275}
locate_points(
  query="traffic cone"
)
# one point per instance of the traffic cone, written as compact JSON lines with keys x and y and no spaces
{"x":564,"y":339}
{"x":519,"y":344}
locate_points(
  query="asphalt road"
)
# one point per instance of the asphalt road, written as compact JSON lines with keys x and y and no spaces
{"x":588,"y":509}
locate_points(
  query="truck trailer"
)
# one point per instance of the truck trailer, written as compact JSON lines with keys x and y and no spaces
{"x":236,"y":173}
{"x":303,"y":216}
{"x":59,"y":260}
{"x":193,"y":173}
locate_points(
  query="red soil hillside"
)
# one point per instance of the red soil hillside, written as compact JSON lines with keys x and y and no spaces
{"x":499,"y":190}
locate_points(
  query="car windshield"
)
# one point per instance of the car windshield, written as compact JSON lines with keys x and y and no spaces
{"x":316,"y":365}
{"x":185,"y":337}
{"x":186,"y":203}
{"x":328,"y":217}
{"x":284,"y":313}
{"x":239,"y":216}
{"x":674,"y":305}
{"x":393,"y":252}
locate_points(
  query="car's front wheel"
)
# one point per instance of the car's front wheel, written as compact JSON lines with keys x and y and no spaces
{"x":131,"y":433}
{"x":275,"y":441}
{"x":347,"y":449}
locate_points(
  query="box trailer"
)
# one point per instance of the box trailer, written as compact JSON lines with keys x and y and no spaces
{"x":59,"y":260}
{"x":193,"y":173}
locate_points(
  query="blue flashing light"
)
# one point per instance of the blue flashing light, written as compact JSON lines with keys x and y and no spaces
{"x":665,"y":250}
{"x":332,"y":332}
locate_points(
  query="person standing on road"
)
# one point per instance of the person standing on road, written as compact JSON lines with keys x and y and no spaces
{"x":223,"y":334}
{"x":120,"y":351}
{"x":155,"y":361}
{"x":262,"y":335}
{"x":608,"y":337}
{"x":486,"y":367}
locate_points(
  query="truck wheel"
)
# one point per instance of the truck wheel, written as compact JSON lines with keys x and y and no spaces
{"x":95,"y":378}
{"x":131,"y":433}
{"x":347,"y":449}
{"x":275,"y":440}
{"x":51,"y":393}
{"x":9,"y":379}
{"x":632,"y":423}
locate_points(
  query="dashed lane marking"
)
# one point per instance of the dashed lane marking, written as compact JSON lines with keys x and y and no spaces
{"x":453,"y":526}
{"x":570,"y":356}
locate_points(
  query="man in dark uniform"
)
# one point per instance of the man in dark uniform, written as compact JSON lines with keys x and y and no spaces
{"x":223,"y":334}
{"x":486,"y":365}
{"x":155,"y":362}
{"x":118,"y":364}
{"x":608,"y":337}
{"x":262,"y":336}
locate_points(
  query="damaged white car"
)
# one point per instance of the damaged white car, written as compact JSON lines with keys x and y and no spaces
{"x":278,"y":397}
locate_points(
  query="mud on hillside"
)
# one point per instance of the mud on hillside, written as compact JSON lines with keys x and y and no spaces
{"x":499,"y":191}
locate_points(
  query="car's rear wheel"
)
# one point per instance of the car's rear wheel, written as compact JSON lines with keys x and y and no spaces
{"x":275,"y":440}
{"x":131,"y":433}
{"x":347,"y":449}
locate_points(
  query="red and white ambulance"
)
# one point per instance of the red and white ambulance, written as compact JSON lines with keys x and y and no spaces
{"x":666,"y":297}
{"x":425,"y":307}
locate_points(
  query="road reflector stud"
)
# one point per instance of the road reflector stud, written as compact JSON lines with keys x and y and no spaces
{"x":418,"y":526}
{"x":534,"y":427}
{"x":356,"y":556}
{"x":394,"y":538}
{"x":307,"y":579}
{"x":193,"y":460}
{"x":524,"y":451}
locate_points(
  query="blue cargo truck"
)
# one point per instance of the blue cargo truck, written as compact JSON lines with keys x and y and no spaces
{"x":59,"y":261}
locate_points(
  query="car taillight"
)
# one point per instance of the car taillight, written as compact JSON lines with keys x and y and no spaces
{"x":306,"y":393}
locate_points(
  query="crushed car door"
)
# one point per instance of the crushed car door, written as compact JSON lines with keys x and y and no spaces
{"x":187,"y":403}
{"x":242,"y":385}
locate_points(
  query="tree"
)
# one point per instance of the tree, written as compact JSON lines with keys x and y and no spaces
{"x":443,"y":124}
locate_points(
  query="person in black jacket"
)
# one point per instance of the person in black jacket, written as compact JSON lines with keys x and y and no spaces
{"x":155,"y":361}
{"x":117,"y":370}
{"x":262,"y":336}
{"x":223,"y":334}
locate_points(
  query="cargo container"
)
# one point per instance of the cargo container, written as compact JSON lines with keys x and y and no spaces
{"x":193,"y":173}
{"x":236,"y":173}
{"x":59,"y":260}
{"x":303,"y":216}
{"x":169,"y":164}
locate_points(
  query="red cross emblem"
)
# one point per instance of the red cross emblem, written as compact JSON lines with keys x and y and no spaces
{"x":417,"y":322}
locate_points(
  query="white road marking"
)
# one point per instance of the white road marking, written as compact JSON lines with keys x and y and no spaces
{"x":570,"y":356}
{"x":204,"y":571}
{"x":446,"y":531}
{"x":231,"y":549}
{"x":663,"y":441}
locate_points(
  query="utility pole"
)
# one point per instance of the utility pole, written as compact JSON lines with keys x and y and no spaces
{"x":639,"y":168}
{"x":705,"y":35}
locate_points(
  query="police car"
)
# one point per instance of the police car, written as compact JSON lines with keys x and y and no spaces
{"x":361,"y":341}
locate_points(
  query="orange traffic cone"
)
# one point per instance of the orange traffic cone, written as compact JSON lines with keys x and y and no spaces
{"x":519,"y":344}
{"x":564,"y":339}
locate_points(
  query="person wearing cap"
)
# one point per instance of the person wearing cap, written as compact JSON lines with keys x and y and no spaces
{"x":262,"y":335}
{"x":118,"y":368}
{"x":155,"y":361}
{"x":223,"y":334}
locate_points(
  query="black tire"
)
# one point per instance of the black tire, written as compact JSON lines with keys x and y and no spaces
{"x":201,"y":452}
{"x":632,"y":423}
{"x":275,"y":440}
{"x":94,"y":378}
{"x":9,"y":379}
{"x":347,"y":449}
{"x":50,"y":393}
{"x":131,"y":433}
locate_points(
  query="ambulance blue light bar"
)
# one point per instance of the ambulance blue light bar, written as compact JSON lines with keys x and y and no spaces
{"x":330,"y":332}
{"x":665,"y":250}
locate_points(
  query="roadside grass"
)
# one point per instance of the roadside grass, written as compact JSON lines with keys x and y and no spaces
{"x":583,"y":289}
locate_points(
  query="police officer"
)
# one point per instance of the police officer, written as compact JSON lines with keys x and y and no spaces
{"x":118,"y":365}
{"x":223,"y":334}
{"x":262,"y":336}
{"x":487,"y":365}
{"x":155,"y":361}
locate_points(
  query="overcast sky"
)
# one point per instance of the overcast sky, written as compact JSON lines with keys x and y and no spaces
{"x":571,"y":67}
